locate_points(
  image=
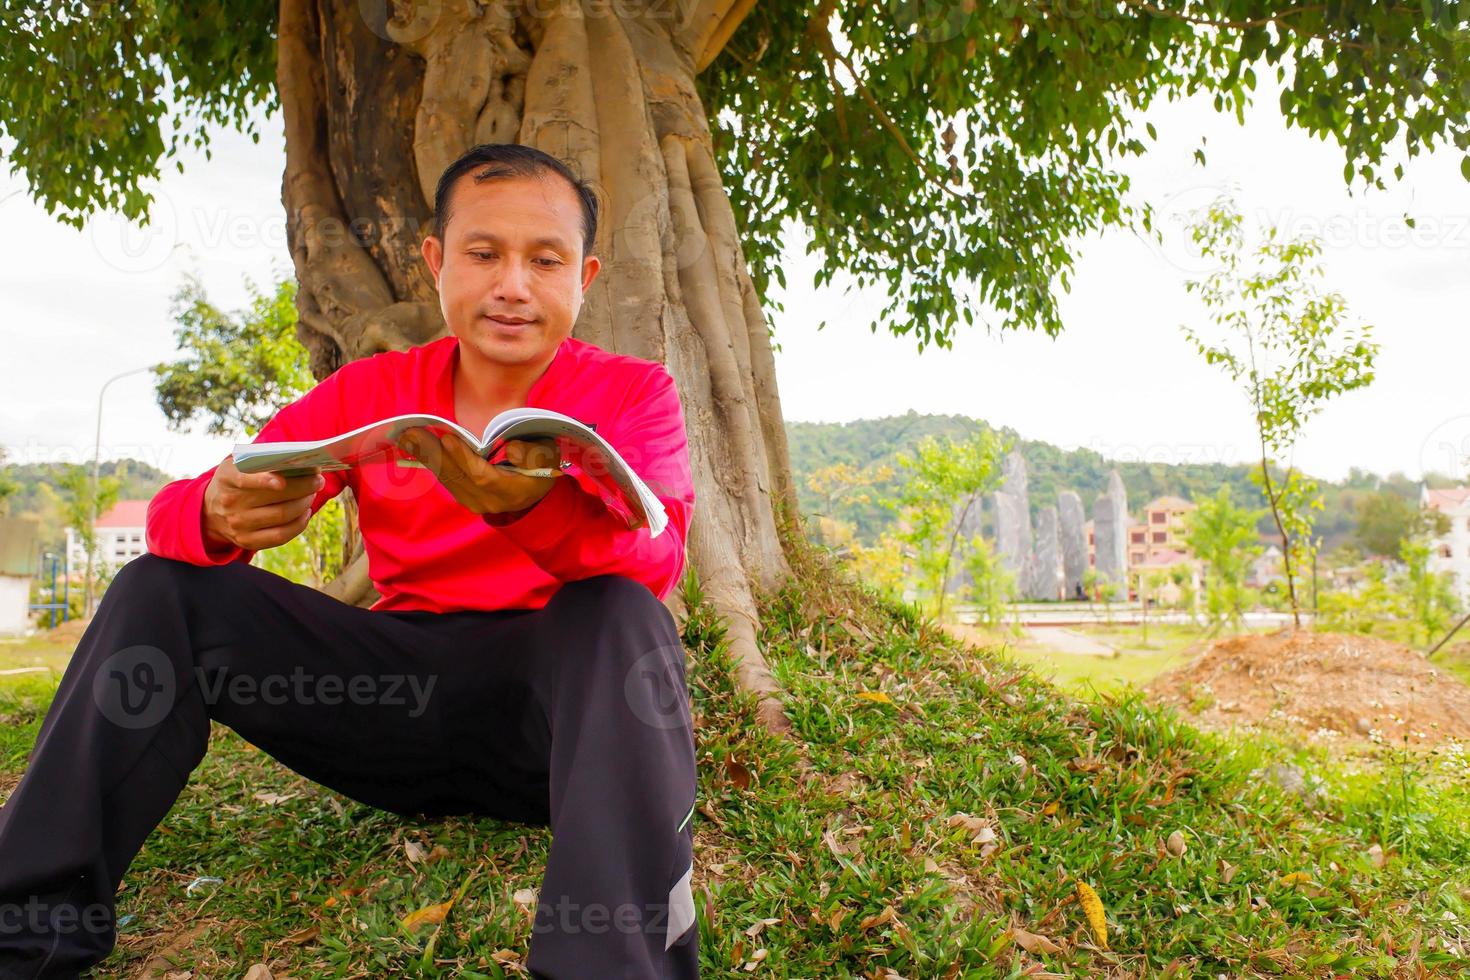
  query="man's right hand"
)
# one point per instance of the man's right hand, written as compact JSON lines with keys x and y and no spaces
{"x":255,"y":511}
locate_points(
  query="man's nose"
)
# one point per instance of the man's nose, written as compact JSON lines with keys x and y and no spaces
{"x":513,"y":283}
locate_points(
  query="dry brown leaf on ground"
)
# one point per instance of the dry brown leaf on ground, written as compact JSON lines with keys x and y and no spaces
{"x":303,"y":936}
{"x":759,"y":924}
{"x":755,"y":960}
{"x":510,"y":960}
{"x":979,"y":829}
{"x":272,"y":799}
{"x":1033,"y":943}
{"x":434,"y":914}
{"x":737,"y":773}
{"x":429,"y":915}
{"x":887,"y":916}
{"x":168,"y":948}
{"x":971,"y":823}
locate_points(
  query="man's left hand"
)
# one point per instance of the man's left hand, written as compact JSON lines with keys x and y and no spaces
{"x":483,"y":487}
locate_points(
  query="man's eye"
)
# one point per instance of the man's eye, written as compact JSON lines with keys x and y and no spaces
{"x":483,"y":255}
{"x":548,"y":262}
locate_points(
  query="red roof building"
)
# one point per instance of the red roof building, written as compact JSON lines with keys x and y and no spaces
{"x":120,"y":536}
{"x":125,"y":513}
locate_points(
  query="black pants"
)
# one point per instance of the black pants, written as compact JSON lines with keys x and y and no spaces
{"x":575,"y":715}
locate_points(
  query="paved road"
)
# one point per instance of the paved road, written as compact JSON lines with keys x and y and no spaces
{"x":1122,"y":614}
{"x":1063,"y":640}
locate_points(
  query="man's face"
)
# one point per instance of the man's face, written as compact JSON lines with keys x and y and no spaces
{"x":510,"y":270}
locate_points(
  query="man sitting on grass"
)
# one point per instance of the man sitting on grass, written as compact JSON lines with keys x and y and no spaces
{"x":519,"y":665}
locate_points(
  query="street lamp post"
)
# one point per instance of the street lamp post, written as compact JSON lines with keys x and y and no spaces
{"x":96,"y":464}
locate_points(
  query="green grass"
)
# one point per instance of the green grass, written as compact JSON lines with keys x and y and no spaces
{"x":1163,"y":638}
{"x":851,"y":836}
{"x":39,"y":650}
{"x":23,"y":702}
{"x":1089,"y":676}
{"x":1137,"y":662}
{"x":1455,"y":658}
{"x":25,"y":696}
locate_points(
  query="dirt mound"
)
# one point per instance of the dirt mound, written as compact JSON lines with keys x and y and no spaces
{"x":1323,"y":684}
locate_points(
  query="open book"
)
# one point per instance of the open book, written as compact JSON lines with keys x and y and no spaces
{"x":597,"y":458}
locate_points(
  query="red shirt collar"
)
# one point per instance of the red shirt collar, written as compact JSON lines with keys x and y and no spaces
{"x":544,"y":385}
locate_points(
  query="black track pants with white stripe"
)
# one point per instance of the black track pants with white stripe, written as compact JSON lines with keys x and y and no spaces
{"x":575,"y":715}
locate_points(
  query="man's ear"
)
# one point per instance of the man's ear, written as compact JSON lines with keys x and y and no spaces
{"x":590,"y":266}
{"x":433,"y":251}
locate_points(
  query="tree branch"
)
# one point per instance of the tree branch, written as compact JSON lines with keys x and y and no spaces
{"x":1277,"y":20}
{"x":816,"y":29}
{"x":716,"y":21}
{"x":926,"y":169}
{"x":1236,"y":25}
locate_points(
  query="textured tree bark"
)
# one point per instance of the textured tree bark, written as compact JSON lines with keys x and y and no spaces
{"x":374,"y":110}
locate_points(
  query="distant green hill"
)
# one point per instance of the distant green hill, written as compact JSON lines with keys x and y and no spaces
{"x":38,"y":495}
{"x":872,"y":442}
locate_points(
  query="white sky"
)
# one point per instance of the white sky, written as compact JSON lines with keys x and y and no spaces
{"x":77,"y":307}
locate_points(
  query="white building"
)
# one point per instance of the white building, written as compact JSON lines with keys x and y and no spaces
{"x":120,"y":536}
{"x":1450,"y":552}
{"x":17,"y":564}
{"x":1266,"y":568}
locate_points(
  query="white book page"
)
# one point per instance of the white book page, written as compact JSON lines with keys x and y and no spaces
{"x":374,"y":440}
{"x":339,"y":452}
{"x":540,"y":423}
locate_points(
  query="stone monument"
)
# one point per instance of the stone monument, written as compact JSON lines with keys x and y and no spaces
{"x":1044,"y":573}
{"x":1110,"y":527}
{"x":1012,"y":504}
{"x":1072,"y":537}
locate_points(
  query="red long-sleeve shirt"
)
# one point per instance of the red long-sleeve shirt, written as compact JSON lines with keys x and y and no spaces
{"x":426,"y":550}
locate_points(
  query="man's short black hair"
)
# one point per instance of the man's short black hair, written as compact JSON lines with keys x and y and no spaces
{"x":492,"y":161}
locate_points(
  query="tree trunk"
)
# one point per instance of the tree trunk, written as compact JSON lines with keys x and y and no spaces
{"x":374,"y":110}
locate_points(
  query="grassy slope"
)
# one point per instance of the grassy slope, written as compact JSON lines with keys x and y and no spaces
{"x":826,"y":833}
